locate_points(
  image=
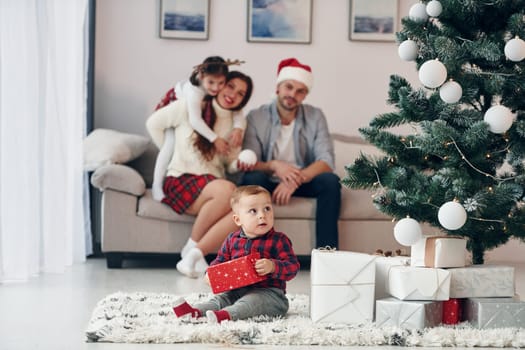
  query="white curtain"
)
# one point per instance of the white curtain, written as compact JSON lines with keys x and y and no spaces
{"x":42,"y":125}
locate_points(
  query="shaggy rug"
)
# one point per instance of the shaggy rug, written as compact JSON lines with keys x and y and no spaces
{"x":148,"y":318}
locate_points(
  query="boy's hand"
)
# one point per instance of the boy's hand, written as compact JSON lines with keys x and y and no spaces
{"x":235,"y":139}
{"x":264,"y":267}
{"x":221,"y":145}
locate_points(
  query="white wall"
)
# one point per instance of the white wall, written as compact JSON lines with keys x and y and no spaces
{"x":134,"y":67}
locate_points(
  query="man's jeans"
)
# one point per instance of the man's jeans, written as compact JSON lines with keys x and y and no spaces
{"x":326,"y":188}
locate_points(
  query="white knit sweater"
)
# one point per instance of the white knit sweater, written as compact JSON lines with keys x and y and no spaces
{"x":186,"y":158}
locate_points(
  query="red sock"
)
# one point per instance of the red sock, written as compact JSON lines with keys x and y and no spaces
{"x":217,"y":316}
{"x":183,"y":308}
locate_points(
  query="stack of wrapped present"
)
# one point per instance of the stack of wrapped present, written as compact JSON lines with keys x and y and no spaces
{"x":433,"y":286}
{"x":342,"y":286}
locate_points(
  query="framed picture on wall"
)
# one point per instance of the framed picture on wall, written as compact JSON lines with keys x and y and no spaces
{"x":285,"y":21}
{"x":184,"y":19}
{"x":373,"y":20}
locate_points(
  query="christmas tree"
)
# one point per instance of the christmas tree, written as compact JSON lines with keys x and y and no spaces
{"x":460,"y":168}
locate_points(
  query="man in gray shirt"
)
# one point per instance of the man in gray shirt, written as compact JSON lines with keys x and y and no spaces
{"x":295,"y":151}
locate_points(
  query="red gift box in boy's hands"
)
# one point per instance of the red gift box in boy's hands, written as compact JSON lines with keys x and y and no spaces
{"x":234,"y":274}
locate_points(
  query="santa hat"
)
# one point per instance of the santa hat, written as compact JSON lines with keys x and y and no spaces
{"x":292,"y":69}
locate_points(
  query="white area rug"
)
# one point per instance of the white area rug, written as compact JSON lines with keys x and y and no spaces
{"x":148,"y":318}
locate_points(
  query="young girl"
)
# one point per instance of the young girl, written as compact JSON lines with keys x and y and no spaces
{"x":194,"y":182}
{"x":206,"y":79}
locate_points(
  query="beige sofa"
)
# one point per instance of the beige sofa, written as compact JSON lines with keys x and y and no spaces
{"x":132,"y":222}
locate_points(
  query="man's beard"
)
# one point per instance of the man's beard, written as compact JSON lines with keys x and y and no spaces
{"x":287,"y":106}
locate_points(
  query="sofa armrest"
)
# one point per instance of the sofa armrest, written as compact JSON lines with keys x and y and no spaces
{"x":119,"y":178}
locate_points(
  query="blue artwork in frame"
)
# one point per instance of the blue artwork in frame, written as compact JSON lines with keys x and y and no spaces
{"x":373,"y":20}
{"x":287,"y":21}
{"x":184,"y":19}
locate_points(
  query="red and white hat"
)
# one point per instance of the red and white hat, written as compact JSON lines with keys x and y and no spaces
{"x":292,"y":69}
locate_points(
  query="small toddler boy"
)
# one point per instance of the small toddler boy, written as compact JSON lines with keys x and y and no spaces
{"x":253,"y":213}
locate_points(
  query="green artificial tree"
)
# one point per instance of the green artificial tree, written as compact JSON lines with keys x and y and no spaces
{"x":465,"y":140}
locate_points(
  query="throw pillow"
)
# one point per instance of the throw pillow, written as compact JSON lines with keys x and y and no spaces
{"x":104,"y":146}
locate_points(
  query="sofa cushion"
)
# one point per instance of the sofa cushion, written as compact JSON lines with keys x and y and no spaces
{"x":119,"y":178}
{"x":298,"y":208}
{"x":355,"y":204}
{"x":105,"y":146}
{"x":348,"y":148}
{"x":358,"y":205}
{"x":145,"y":164}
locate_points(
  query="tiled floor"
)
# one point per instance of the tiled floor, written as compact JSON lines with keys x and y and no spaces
{"x":51,"y":311}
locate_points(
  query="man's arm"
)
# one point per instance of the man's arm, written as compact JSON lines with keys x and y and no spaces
{"x":314,"y":169}
{"x":323,"y":146}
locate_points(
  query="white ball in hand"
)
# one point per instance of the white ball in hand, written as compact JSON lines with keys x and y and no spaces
{"x":247,"y":157}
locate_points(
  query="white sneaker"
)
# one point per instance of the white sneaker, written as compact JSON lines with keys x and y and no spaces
{"x":188,"y":265}
{"x":187,"y":247}
{"x":201,"y":266}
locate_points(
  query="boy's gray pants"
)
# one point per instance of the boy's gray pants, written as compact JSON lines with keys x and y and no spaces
{"x":248,"y":302}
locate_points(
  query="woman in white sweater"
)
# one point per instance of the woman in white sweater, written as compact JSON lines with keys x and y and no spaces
{"x":194,"y":182}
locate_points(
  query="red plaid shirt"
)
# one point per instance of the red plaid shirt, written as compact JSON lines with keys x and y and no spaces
{"x":273,"y":245}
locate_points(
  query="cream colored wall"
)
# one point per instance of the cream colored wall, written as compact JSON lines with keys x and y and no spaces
{"x":134,"y":67}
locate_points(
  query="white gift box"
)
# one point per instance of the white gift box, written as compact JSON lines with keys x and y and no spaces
{"x":439,"y":251}
{"x":482,"y":281}
{"x":418,"y":283}
{"x":383,"y":264}
{"x":495,"y":312}
{"x":342,"y":286}
{"x":408,"y":314}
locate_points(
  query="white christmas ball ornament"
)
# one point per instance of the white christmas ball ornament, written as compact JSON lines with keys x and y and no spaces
{"x":434,"y":8}
{"x":407,"y":232}
{"x":432,"y":73}
{"x":452,"y":215}
{"x":450,"y":92}
{"x":418,"y":12}
{"x":247,"y":157}
{"x":515,"y":49}
{"x":499,"y":118}
{"x":408,"y":50}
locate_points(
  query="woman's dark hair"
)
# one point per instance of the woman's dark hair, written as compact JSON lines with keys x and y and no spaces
{"x":214,"y":65}
{"x":209,"y":116}
{"x":249,"y":87}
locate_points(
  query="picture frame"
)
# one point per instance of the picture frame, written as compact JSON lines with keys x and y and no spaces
{"x":184,"y":19}
{"x":373,"y":20}
{"x":279,"y":21}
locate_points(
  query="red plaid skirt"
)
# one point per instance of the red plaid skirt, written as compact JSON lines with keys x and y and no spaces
{"x":180,"y":192}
